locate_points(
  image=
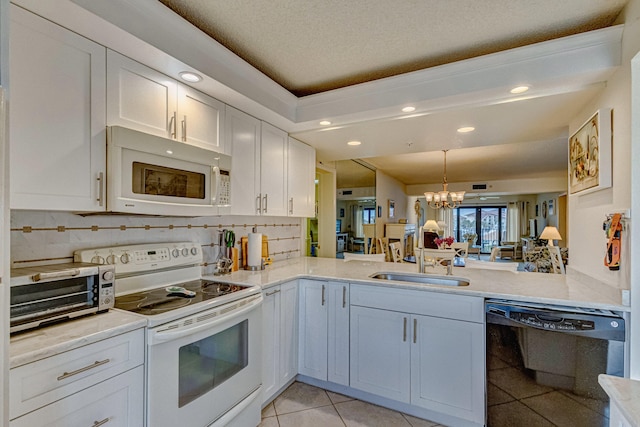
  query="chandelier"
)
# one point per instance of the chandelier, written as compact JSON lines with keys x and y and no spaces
{"x":441,"y":199}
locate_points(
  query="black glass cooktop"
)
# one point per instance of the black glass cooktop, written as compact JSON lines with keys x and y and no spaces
{"x":161,"y":300}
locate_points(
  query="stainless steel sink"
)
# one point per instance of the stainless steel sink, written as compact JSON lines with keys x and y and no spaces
{"x":421,"y":278}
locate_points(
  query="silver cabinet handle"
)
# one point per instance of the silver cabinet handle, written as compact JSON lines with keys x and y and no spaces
{"x":184,"y":129}
{"x":86,"y":368}
{"x":101,"y":423}
{"x":259,"y":203}
{"x":100,"y":189}
{"x":172,"y":125}
{"x":291,"y":206}
{"x":415,"y":330}
{"x":404,"y":330}
{"x":265,"y":203}
{"x":344,"y":296}
{"x":323,"y":287}
{"x":268,"y":294}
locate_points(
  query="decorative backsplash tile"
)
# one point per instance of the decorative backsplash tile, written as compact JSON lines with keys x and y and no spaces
{"x":51,"y":236}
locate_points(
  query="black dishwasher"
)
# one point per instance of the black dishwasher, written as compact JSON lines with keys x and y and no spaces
{"x":543,"y":363}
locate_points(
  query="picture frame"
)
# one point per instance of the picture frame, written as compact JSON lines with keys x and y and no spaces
{"x":392,"y":208}
{"x":537,"y":210}
{"x":379,"y":211}
{"x":341,"y":212}
{"x":590,"y":154}
{"x":544,"y":209}
{"x":551,"y":207}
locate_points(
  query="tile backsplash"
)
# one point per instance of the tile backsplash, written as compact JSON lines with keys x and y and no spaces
{"x":52,"y":236}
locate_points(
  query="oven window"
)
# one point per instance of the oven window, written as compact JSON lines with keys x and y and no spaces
{"x":205,"y":364}
{"x":162,"y":181}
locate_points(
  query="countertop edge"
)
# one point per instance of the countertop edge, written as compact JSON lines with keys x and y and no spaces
{"x":625,"y":393}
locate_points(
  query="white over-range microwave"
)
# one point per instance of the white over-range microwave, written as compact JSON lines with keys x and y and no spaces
{"x":151,"y":175}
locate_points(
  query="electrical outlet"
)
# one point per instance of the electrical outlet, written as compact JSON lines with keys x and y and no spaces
{"x":626,"y":297}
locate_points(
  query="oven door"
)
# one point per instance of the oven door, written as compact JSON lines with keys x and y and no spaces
{"x":201,"y":367}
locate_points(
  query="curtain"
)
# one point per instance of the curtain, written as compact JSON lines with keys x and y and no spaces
{"x":356,"y":220}
{"x":517,"y":220}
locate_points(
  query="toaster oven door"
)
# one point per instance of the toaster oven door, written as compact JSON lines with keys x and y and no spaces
{"x":33,"y":304}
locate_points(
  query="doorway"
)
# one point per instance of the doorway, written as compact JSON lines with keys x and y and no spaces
{"x":489,"y":223}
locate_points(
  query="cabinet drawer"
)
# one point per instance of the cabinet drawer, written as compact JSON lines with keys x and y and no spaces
{"x":116,"y":402}
{"x":37,"y":384}
{"x":450,"y":306}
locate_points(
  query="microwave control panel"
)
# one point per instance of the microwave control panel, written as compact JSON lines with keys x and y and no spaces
{"x":224,"y":188}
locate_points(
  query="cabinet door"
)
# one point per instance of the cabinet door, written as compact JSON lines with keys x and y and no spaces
{"x":200,"y":119}
{"x":313,"y":329}
{"x":57,"y":118}
{"x":447,"y":367}
{"x":273,"y":170}
{"x":288,"y":332}
{"x":301,"y":172}
{"x":243,"y":135}
{"x":338,"y":333}
{"x":119,"y":399}
{"x":380,"y":352}
{"x":140,"y":98}
{"x":270,"y":341}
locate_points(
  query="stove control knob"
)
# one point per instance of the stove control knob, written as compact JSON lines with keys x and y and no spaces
{"x":194,"y":251}
{"x":125,"y":258}
{"x":112,"y":259}
{"x":185,"y":251}
{"x":107,"y":276}
{"x":175,"y":253}
{"x":97,"y":259}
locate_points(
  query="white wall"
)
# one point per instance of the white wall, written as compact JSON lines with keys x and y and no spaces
{"x":586,"y":239}
{"x":388,"y":188}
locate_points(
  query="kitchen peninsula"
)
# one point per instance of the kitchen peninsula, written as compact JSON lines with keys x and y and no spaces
{"x":324,"y":344}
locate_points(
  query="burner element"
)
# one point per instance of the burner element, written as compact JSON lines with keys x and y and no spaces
{"x":216,"y":289}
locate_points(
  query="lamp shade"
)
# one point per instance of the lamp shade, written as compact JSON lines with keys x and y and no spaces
{"x":431,"y":225}
{"x":550,"y":233}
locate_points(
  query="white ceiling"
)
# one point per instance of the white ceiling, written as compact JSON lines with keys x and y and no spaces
{"x":310,"y":47}
{"x":361,"y":61}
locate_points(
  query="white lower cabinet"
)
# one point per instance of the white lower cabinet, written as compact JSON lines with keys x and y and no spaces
{"x":324,"y":331}
{"x":400,"y":352}
{"x":118,"y":402}
{"x":279,"y":338}
{"x":95,"y":384}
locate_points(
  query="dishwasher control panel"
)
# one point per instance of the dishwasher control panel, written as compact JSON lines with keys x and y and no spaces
{"x":559,"y":324}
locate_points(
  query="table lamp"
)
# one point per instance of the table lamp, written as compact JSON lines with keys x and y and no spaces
{"x":431,"y":225}
{"x":430,"y":229}
{"x":550,"y":233}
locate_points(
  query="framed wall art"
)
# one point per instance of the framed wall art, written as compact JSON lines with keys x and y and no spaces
{"x":392,"y":208}
{"x":590,"y":154}
{"x":551,"y":207}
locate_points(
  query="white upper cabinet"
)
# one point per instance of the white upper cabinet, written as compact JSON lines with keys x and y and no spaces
{"x":243,"y":135}
{"x":57,"y":140}
{"x":259,"y":165}
{"x":273,"y":171}
{"x":146,"y":100}
{"x":301,"y":179}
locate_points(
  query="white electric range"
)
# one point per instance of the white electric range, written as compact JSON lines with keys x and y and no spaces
{"x":203,"y":334}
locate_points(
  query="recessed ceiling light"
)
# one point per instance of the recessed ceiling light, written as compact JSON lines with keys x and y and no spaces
{"x":466,"y":129}
{"x":354,"y":143}
{"x":408,"y":109}
{"x":169,"y":152}
{"x":188,"y":76}
{"x":325,"y":123}
{"x":519,"y":89}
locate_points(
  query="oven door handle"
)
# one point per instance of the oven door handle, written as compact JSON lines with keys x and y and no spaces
{"x":162,"y":336}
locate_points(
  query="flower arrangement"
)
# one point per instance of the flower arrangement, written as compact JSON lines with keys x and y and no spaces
{"x":444,"y":243}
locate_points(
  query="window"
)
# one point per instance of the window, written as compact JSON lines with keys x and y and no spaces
{"x":369,"y":215}
{"x":489,"y":223}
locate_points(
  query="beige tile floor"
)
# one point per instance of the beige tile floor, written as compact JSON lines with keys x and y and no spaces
{"x":302,"y":405}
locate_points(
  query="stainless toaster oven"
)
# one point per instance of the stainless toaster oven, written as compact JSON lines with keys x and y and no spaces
{"x":51,"y":293}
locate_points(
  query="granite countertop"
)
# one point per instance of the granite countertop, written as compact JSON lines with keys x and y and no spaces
{"x":573,"y":289}
{"x":625,"y":393}
{"x":30,"y":346}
